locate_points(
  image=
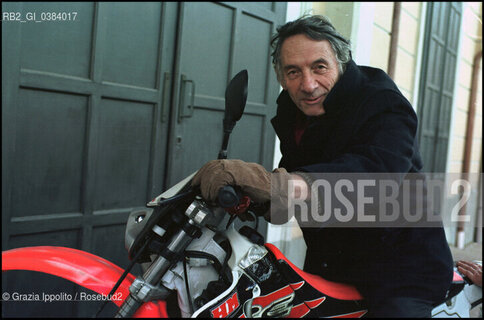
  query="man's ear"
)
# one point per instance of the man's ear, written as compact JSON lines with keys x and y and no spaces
{"x":283,"y":84}
{"x":280,"y":79}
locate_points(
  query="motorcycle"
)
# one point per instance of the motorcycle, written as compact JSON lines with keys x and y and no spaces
{"x":188,"y":246}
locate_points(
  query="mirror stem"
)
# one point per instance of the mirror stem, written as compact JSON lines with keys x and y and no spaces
{"x":223,"y":151}
{"x":228,"y":126}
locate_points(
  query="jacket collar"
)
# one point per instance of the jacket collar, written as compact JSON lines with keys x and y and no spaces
{"x":344,"y":91}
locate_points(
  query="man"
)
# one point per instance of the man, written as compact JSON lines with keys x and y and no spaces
{"x":336,"y":117}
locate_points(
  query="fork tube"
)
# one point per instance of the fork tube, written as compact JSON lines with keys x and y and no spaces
{"x":161,"y":264}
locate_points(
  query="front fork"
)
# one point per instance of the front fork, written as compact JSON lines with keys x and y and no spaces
{"x":148,"y":288}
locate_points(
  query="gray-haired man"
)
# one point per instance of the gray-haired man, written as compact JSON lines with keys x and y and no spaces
{"x":336,"y":117}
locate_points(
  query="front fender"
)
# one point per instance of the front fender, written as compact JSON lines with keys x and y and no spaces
{"x":85,"y":269}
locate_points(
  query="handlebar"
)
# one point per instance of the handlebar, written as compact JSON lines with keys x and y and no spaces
{"x":228,"y":197}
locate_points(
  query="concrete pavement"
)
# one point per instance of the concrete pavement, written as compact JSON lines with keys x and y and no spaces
{"x":472,"y":251}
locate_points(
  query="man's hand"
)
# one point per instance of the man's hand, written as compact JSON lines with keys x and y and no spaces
{"x":473,"y":271}
{"x":252,"y":178}
{"x":254,"y":181}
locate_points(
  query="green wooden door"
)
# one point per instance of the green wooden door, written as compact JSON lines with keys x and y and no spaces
{"x":210,"y":52}
{"x":441,"y":42}
{"x":90,"y":119}
{"x":84,"y":140}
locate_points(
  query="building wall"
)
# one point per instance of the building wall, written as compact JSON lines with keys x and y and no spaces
{"x":350,"y":17}
{"x":381,"y":30}
{"x":408,"y":49}
{"x":339,"y":13}
{"x":471,"y":44}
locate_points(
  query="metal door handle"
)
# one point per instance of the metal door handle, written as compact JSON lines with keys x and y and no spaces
{"x":186,"y":112}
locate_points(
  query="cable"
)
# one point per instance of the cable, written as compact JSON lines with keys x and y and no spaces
{"x":189,"y":296}
{"x":215,"y":264}
{"x":120,"y":280}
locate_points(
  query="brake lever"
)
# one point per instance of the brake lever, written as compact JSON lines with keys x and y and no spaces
{"x":240,"y":208}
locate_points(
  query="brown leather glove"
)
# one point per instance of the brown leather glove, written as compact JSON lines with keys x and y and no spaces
{"x":252,"y":178}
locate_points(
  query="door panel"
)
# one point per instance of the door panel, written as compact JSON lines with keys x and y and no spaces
{"x":124,"y":153}
{"x":132,"y":41}
{"x":58,"y":47}
{"x":83,"y":107}
{"x":251,"y":53}
{"x":54,"y":180}
{"x":206,"y":36}
{"x":247,"y":131}
{"x":238,"y":35}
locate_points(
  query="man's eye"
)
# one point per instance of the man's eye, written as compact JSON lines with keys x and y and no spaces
{"x":292,"y":74}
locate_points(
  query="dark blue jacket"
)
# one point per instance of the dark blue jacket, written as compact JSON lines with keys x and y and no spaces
{"x":368,"y":127}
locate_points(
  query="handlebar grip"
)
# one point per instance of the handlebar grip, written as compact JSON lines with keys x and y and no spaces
{"x":228,"y":197}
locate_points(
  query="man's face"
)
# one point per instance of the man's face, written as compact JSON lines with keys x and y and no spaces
{"x":309,"y":70}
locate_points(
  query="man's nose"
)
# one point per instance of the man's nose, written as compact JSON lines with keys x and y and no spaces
{"x":309,"y":83}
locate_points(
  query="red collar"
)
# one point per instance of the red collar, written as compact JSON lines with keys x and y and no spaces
{"x":299,"y":127}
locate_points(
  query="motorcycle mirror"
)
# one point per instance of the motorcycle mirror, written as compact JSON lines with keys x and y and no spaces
{"x":235,"y":99}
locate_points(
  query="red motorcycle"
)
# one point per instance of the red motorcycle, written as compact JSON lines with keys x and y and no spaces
{"x":186,"y":245}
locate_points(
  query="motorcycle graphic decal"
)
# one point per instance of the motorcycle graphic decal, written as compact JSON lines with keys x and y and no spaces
{"x":276,"y":302}
{"x":335,"y":290}
{"x":226,"y":307}
{"x":264,"y":301}
{"x":315,"y":303}
{"x":279,"y":304}
{"x":357,"y":314}
{"x":303,"y":309}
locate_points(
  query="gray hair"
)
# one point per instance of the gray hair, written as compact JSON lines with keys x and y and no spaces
{"x":316,"y":27}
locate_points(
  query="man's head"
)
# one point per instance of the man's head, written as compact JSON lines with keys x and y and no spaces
{"x":309,"y":56}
